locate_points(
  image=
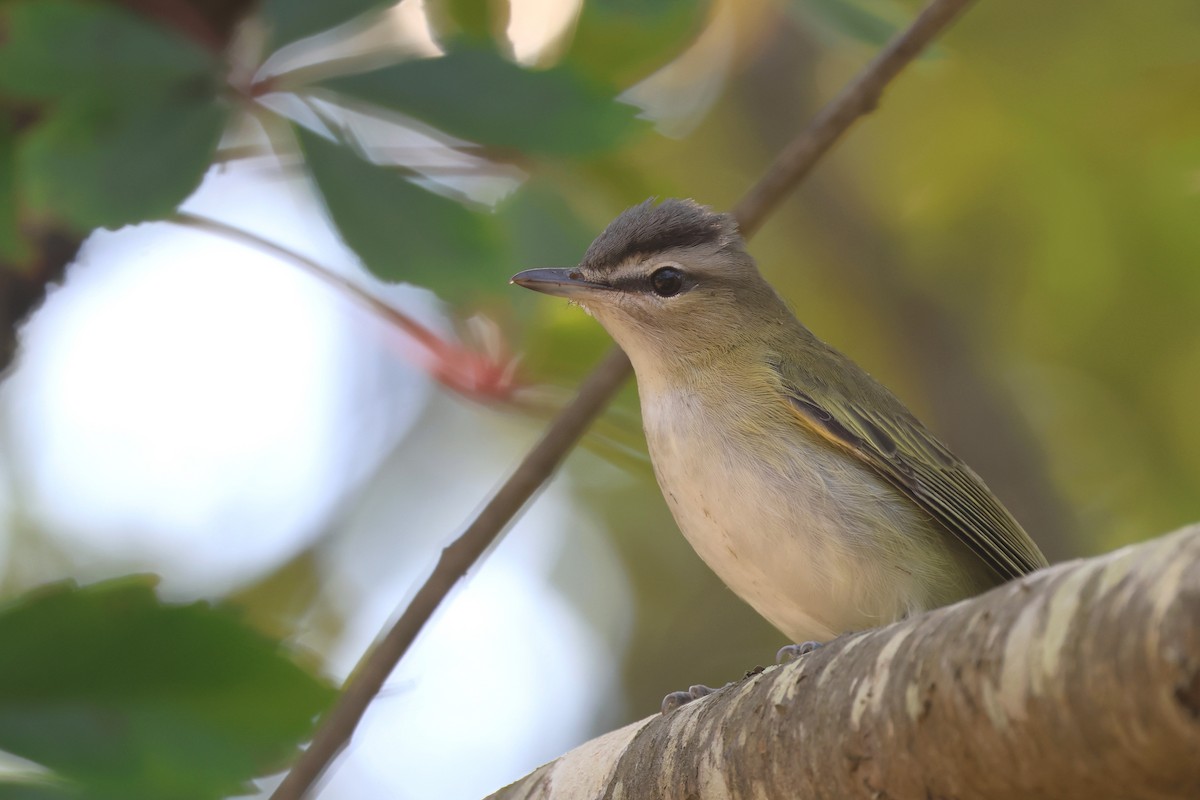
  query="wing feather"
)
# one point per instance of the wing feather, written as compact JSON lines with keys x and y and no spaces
{"x":899,"y":449}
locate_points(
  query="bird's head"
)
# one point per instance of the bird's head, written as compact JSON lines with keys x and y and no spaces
{"x":669,"y":282}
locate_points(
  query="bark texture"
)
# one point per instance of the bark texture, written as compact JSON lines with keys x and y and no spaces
{"x":1080,"y":681}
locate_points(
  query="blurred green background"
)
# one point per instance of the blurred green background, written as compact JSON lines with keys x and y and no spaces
{"x":1011,"y":242}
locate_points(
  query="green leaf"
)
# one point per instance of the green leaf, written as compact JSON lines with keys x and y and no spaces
{"x":130,"y":697}
{"x":98,"y":163}
{"x":543,"y":228}
{"x":14,"y":250}
{"x":59,"y":48}
{"x":132,"y":117}
{"x":477,"y":94}
{"x":480,"y":20}
{"x":623,"y":41}
{"x":40,"y":791}
{"x":292,"y":20}
{"x":400,"y":231}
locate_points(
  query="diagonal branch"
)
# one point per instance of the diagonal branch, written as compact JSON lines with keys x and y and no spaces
{"x":859,"y":98}
{"x":796,"y":160}
{"x":1079,"y":682}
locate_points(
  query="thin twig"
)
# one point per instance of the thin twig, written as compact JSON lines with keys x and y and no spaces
{"x":373,"y":304}
{"x":859,"y":98}
{"x":793,"y":163}
{"x":456,"y":559}
{"x":457,"y":368}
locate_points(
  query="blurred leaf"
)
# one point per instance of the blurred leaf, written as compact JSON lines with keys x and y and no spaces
{"x":872,"y":22}
{"x":477,"y":94}
{"x":401,"y":231}
{"x":134,"y":122}
{"x":39,"y":791}
{"x":98,"y":163}
{"x":480,"y":20}
{"x":14,"y":250}
{"x":60,"y":48}
{"x":292,"y":20}
{"x":543,"y":228}
{"x":622,"y":41}
{"x":134,"y":698}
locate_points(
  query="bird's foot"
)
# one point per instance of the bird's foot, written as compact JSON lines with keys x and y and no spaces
{"x":793,"y":651}
{"x":676,"y":699}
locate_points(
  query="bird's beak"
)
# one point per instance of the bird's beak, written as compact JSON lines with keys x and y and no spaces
{"x":560,"y":282}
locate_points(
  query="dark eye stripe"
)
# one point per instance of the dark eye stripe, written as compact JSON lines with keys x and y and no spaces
{"x":628,"y":283}
{"x":637,"y":283}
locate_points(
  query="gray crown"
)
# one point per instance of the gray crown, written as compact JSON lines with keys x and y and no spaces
{"x":648,"y":228}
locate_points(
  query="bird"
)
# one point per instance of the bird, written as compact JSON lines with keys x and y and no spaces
{"x":808,"y":487}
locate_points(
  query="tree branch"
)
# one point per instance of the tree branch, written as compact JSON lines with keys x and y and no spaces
{"x":859,"y":98}
{"x":1079,"y":681}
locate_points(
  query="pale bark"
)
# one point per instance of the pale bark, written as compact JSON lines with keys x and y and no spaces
{"x":1080,"y":681}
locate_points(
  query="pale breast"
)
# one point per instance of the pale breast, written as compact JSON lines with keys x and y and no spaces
{"x":814,"y":542}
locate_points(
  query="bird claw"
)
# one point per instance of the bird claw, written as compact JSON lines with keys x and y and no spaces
{"x":787,"y":653}
{"x":793,"y":651}
{"x":676,"y":699}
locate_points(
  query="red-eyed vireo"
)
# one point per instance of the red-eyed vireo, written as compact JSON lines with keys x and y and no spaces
{"x":803,"y":483}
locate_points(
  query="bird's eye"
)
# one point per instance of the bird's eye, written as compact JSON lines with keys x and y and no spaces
{"x":666,"y":281}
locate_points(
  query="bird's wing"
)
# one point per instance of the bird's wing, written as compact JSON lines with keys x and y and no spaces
{"x":896,"y":446}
